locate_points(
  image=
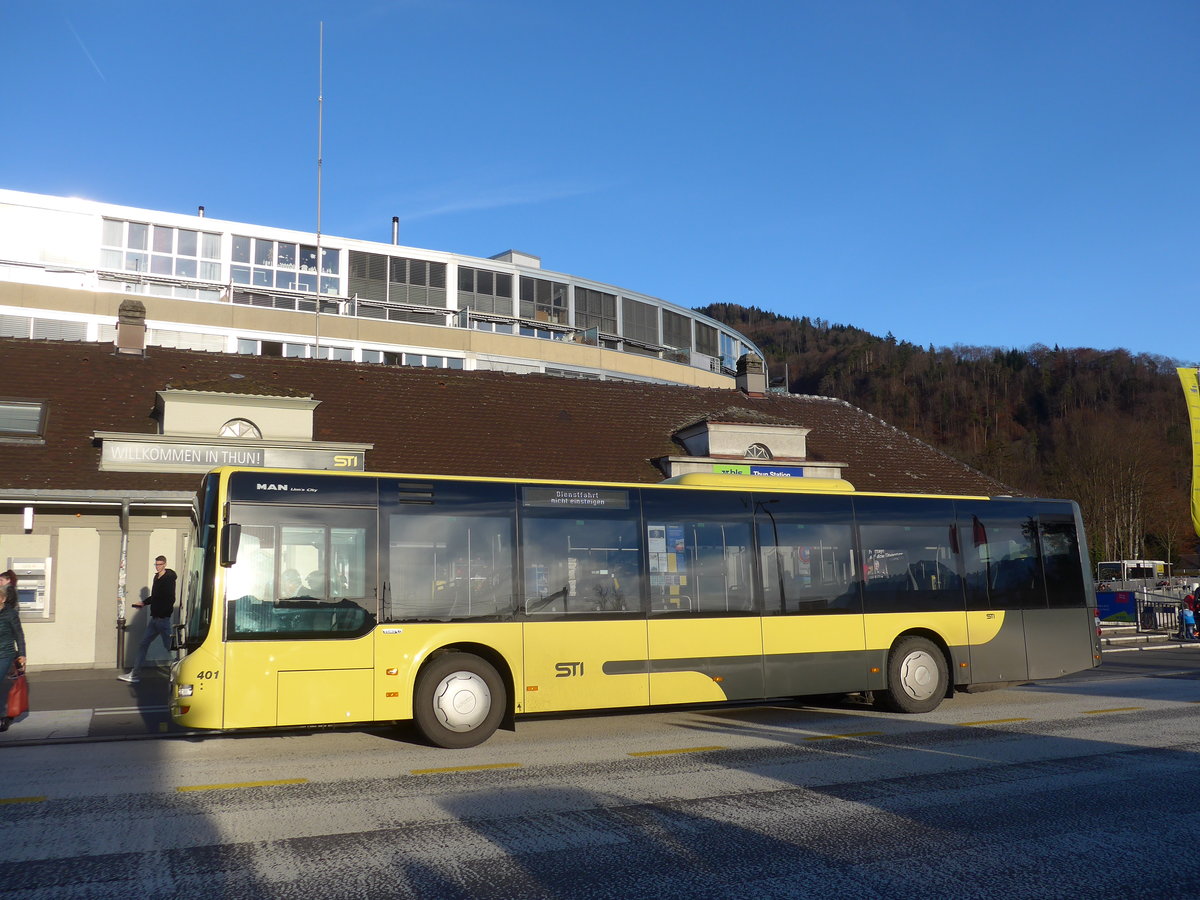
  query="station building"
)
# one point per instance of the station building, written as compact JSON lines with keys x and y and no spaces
{"x":103,"y":444}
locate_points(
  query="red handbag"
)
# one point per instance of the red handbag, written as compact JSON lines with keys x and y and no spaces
{"x":18,"y":697}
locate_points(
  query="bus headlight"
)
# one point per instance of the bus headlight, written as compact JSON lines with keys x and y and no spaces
{"x":184,"y":690}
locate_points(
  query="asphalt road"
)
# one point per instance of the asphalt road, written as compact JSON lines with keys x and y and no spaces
{"x":1087,"y":786}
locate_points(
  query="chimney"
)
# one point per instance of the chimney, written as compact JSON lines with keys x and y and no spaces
{"x":751,"y":376}
{"x":395,"y":229}
{"x":200,"y":212}
{"x":131,"y":328}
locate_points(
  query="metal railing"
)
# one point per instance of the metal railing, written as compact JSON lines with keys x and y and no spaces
{"x":1158,"y":612}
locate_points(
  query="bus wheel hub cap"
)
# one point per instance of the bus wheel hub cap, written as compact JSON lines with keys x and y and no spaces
{"x":462,"y":701}
{"x":918,"y":674}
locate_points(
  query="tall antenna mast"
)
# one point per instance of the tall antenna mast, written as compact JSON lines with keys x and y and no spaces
{"x":320,"y":136}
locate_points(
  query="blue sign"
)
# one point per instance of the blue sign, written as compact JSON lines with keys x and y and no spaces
{"x":777,"y":471}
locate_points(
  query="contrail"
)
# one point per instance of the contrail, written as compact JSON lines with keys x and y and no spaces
{"x":84,"y":48}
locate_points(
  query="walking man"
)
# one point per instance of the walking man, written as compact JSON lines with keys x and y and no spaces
{"x":162,"y":604}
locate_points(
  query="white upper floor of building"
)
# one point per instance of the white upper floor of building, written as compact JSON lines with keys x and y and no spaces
{"x":234,"y":287}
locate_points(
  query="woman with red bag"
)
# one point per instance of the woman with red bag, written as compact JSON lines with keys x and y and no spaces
{"x":12,"y":641}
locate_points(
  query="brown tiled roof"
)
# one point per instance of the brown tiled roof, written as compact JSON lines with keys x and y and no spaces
{"x":436,"y":421}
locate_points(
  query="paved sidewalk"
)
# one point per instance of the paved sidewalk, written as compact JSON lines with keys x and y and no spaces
{"x":91,"y":704}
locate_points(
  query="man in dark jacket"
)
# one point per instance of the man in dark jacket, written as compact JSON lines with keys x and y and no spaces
{"x":162,"y":605}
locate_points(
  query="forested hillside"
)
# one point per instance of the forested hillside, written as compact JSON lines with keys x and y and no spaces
{"x":1104,"y":427}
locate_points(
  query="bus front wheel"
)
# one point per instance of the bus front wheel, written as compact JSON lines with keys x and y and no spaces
{"x":917,"y":677}
{"x":458,"y":701}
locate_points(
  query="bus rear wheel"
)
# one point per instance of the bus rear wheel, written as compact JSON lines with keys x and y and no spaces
{"x":458,"y":701}
{"x":917,"y":677}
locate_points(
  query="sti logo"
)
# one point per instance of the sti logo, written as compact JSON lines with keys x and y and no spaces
{"x":345,"y":462}
{"x":271,"y":487}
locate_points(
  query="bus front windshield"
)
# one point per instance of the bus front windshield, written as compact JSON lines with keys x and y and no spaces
{"x":202,"y":564}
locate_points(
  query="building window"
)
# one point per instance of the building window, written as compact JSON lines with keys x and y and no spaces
{"x":731,"y":349}
{"x":485,"y":291}
{"x":397,"y":279}
{"x":160,"y":250}
{"x":284,"y":265}
{"x":677,"y":330}
{"x":544,"y":301}
{"x":595,"y":309}
{"x":758,"y":451}
{"x":22,"y":419}
{"x":639,"y":321}
{"x":706,"y":339}
{"x":240,"y":428}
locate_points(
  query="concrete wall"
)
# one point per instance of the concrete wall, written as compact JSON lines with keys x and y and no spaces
{"x":248,"y":320}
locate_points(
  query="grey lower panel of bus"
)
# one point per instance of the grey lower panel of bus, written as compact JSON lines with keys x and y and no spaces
{"x":741,"y":677}
{"x":1060,"y":641}
{"x":752,"y":677}
{"x":1003,"y":658}
{"x":797,"y":674}
{"x":1036,"y":643}
{"x":1032,"y":643}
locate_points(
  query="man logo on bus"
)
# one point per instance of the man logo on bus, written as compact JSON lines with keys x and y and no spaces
{"x":271,"y":487}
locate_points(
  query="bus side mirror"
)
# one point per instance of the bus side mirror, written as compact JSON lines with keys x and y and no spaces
{"x":231,"y":537}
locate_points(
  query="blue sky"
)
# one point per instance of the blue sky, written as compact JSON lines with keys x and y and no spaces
{"x":967,"y":172}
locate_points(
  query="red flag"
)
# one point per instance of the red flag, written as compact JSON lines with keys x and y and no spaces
{"x":978,"y":532}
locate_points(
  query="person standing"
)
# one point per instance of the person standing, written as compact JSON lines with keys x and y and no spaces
{"x":162,"y":605}
{"x":1187,"y":620}
{"x":12,"y":641}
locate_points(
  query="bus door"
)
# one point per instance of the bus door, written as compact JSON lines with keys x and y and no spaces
{"x":584,"y":625}
{"x":1002,"y":579}
{"x":704,"y":633}
{"x":300,"y":606}
{"x":813,"y":636}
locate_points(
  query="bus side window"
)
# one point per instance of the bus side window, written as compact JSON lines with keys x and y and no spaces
{"x":807,"y":555}
{"x":581,"y":565}
{"x":910,"y":555}
{"x":449,"y":567}
{"x":699,"y":552}
{"x":999,"y":542}
{"x":1060,"y":556}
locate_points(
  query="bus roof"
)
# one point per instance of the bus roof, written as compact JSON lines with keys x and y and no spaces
{"x":694,"y":480}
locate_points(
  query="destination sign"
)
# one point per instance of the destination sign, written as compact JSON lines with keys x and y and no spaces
{"x":574,"y":498}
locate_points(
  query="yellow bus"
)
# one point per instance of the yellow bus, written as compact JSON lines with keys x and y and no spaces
{"x":461,"y":604}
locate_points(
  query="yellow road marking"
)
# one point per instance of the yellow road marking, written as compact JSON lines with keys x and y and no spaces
{"x":465,"y":768}
{"x":1096,"y":712}
{"x":241,"y":784}
{"x":838,"y":737}
{"x":22,"y":800}
{"x":994,"y":721}
{"x":678,"y":750}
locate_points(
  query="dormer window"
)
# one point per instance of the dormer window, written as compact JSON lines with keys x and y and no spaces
{"x":240,"y":428}
{"x":758,"y":451}
{"x":22,"y":420}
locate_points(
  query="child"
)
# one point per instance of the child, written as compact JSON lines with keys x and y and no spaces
{"x":1188,"y":618}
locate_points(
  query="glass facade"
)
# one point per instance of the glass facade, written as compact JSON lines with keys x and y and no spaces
{"x":544,"y":301}
{"x":284,"y":265}
{"x":160,"y":250}
{"x":275,"y":273}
